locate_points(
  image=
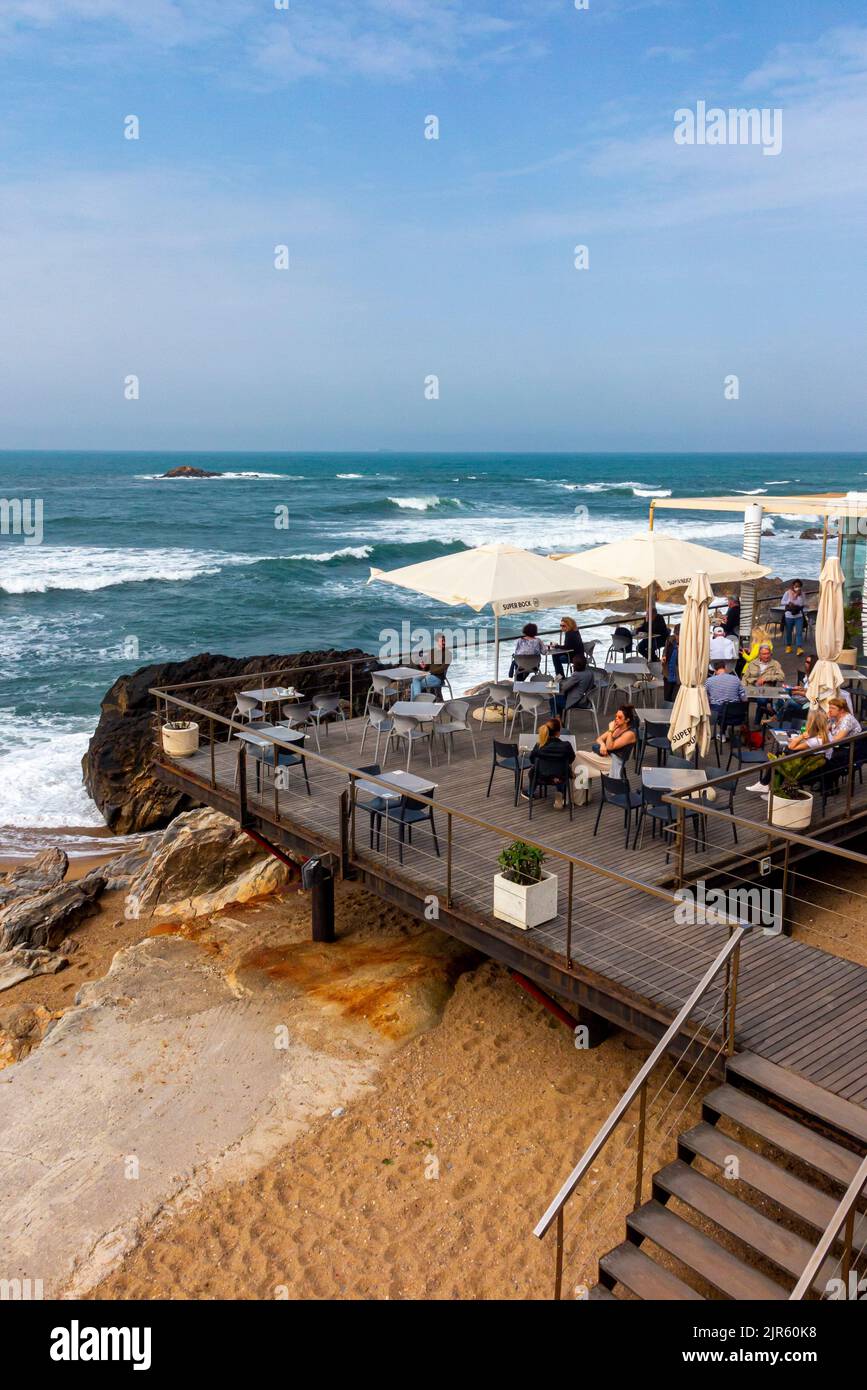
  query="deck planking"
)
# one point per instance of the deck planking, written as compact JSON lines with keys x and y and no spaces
{"x":797,"y":1006}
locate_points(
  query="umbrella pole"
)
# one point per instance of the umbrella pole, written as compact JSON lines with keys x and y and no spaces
{"x":650,"y":588}
{"x":496,"y":645}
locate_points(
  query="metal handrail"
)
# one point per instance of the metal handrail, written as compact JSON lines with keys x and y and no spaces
{"x":639,"y":1081}
{"x":845,"y":1212}
{"x":354,"y":774}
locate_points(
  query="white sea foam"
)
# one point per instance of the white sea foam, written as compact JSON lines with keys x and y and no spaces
{"x":777,"y":482}
{"x":355,"y":552}
{"x":423,"y":504}
{"x":749,"y":492}
{"x":651,"y":492}
{"x":40,"y":770}
{"x":38,"y":569}
{"x":349,"y":475}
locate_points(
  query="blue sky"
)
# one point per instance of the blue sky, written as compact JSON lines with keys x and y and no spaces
{"x":411,"y":257}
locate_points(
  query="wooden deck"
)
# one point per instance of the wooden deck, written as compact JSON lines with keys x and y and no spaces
{"x":630,"y":962}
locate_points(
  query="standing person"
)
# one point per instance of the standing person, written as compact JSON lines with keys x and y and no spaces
{"x":659,"y":629}
{"x":573,"y":642}
{"x":670,"y":658}
{"x":794,"y":604}
{"x":732,"y":622}
{"x":528,"y":644}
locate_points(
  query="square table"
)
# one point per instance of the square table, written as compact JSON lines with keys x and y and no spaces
{"x":401,"y":674}
{"x":660,"y":717}
{"x":627,"y":668}
{"x":673,"y":779}
{"x":403,"y":784}
{"x":422,"y":710}
{"x":852,"y":676}
{"x":273,"y":694}
{"x":528,"y":741}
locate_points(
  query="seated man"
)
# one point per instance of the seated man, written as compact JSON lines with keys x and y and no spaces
{"x":722,"y":647}
{"x":723,"y":688}
{"x":659,"y":629}
{"x":581,"y":681}
{"x":764,"y":670}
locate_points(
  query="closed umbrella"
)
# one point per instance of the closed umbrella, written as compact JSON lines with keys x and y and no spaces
{"x":826,"y":678}
{"x":690,"y":719}
{"x":508,"y":578}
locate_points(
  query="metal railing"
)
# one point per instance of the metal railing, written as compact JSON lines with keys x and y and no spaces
{"x":846,"y":767}
{"x":728,"y":957}
{"x":844,"y":1215}
{"x":467,"y":868}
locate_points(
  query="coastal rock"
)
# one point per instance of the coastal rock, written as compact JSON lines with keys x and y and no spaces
{"x":202,"y":863}
{"x":810,"y":535}
{"x":117,"y":765}
{"x":45,"y":871}
{"x":186,"y":470}
{"x":22,"y":964}
{"x":22,"y":1027}
{"x":119,"y":873}
{"x":45,"y":918}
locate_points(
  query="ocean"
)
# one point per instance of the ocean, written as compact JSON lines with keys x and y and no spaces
{"x":274,"y":557}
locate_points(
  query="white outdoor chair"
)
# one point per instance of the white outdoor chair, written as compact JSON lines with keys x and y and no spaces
{"x":500,"y":693}
{"x":380,"y":692}
{"x":407,"y":727}
{"x":325,"y":707}
{"x":378,"y":719}
{"x":248,"y":711}
{"x":530,"y":704}
{"x":455,"y":719}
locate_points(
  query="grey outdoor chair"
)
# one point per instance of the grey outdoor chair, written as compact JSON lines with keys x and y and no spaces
{"x":407,"y":727}
{"x":530,"y":704}
{"x":500,"y":693}
{"x":328,"y":707}
{"x":383,"y":724}
{"x":455,"y":719}
{"x":248,"y":711}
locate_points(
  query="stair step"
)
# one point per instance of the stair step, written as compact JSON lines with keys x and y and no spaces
{"x":783,"y":1248}
{"x":786,"y":1134}
{"x":796,"y":1197}
{"x":598,"y":1293}
{"x":801,"y":1094}
{"x":713,"y":1263}
{"x":629,"y":1266}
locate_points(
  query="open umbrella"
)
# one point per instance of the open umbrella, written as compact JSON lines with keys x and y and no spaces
{"x":690,"y":719}
{"x":508,"y":578}
{"x":652,"y":560}
{"x":825,"y":678}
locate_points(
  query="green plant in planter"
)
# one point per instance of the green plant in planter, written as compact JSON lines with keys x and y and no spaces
{"x":177,"y":726}
{"x":787,"y":777}
{"x":521,"y":863}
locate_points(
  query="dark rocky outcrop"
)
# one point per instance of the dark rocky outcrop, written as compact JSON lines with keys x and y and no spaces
{"x":117,"y":765}
{"x":810,"y":535}
{"x":44,"y":918}
{"x":186,"y":470}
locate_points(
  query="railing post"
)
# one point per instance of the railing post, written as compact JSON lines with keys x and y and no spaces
{"x":351,"y":705}
{"x":242,"y":783}
{"x":850,"y":779}
{"x":344,"y":832}
{"x":639,"y":1155}
{"x":213,"y":763}
{"x":733,"y":1001}
{"x":449,"y":859}
{"x":558,"y":1269}
{"x":847,"y":1248}
{"x":352,"y":799}
{"x":681,"y":845}
{"x":569,"y":917}
{"x":785,"y":889}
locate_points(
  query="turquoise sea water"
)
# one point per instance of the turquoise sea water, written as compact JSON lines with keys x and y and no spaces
{"x":129,"y":563}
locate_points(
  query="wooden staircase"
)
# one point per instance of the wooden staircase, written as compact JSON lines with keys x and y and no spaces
{"x":748,"y":1238}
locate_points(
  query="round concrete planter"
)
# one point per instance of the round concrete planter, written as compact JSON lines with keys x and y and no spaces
{"x":789,"y":814}
{"x":180,"y":742}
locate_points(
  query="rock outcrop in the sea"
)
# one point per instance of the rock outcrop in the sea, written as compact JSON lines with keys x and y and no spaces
{"x":117,"y":765}
{"x":810,"y":535}
{"x":203,"y":863}
{"x":186,"y":470}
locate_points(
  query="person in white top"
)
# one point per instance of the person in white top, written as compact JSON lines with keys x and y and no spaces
{"x":793,"y":604}
{"x":722,"y":648}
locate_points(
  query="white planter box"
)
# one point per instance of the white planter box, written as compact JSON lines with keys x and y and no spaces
{"x":181,"y":743}
{"x":789,"y":814}
{"x":526,"y":905}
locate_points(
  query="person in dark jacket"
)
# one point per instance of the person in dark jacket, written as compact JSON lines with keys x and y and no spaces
{"x":582,"y":681}
{"x":571,"y":640}
{"x":659,"y":627}
{"x":670,"y":658}
{"x":552,"y":745}
{"x":732,"y":624}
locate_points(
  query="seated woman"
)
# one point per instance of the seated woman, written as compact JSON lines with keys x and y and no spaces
{"x":551,"y":744}
{"x":841,"y":724}
{"x":612,"y":749}
{"x":815,"y":737}
{"x":528,"y":644}
{"x":793,"y":707}
{"x":572,"y":641}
